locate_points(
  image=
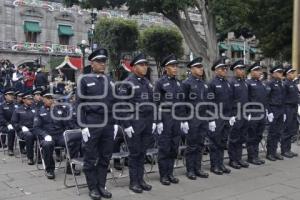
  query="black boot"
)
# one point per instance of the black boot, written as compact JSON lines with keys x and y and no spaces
{"x":201,"y":174}
{"x":136,"y":188}
{"x":145,"y":186}
{"x":243,"y":164}
{"x":94,"y":194}
{"x":104,"y":193}
{"x":165,"y":181}
{"x":235,"y":165}
{"x":191,"y":175}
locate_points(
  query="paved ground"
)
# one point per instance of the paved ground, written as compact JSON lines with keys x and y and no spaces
{"x":276,"y":180}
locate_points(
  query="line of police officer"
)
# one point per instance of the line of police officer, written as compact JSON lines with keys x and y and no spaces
{"x":97,"y":96}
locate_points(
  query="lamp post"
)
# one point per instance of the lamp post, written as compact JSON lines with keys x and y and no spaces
{"x":94,"y":18}
{"x":296,"y":37}
{"x":83,"y":46}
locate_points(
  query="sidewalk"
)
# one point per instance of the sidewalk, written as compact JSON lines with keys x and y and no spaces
{"x":277,"y":180}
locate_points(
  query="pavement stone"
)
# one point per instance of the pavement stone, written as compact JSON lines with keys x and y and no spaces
{"x":278,"y":180}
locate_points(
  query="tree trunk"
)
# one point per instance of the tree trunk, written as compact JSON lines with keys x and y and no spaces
{"x":207,"y":49}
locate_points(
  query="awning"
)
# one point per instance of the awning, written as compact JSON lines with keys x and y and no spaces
{"x":64,"y":30}
{"x":236,"y":47}
{"x":73,"y":62}
{"x":223,"y":46}
{"x":32,"y":27}
{"x":253,"y":50}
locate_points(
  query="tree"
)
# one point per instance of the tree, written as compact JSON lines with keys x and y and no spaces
{"x":118,"y":36}
{"x":269,"y":20}
{"x":177,"y":11}
{"x":158,"y":42}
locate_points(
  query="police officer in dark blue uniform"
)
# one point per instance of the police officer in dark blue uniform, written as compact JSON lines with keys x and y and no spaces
{"x":50,"y":131}
{"x":139,"y":129}
{"x":291,"y":106}
{"x":37,"y":97}
{"x":19,"y":99}
{"x":276,"y":113}
{"x":6,"y":110}
{"x":220,"y":93}
{"x":195,"y":90}
{"x":168,"y":127}
{"x":238,"y":133}
{"x":257,"y":94}
{"x":22,"y":121}
{"x":97,"y":123}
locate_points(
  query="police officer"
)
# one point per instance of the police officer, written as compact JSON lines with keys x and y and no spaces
{"x":257,"y":94}
{"x":139,"y":129}
{"x":291,"y":106}
{"x":6,"y":110}
{"x":220,"y":93}
{"x":19,"y":100}
{"x":50,"y":132}
{"x":168,"y":127}
{"x":238,"y":133}
{"x":37,"y":97}
{"x":97,"y":123}
{"x":276,"y":113}
{"x":22,"y":121}
{"x":195,"y":90}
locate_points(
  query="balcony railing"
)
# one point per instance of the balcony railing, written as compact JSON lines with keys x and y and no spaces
{"x":38,"y":47}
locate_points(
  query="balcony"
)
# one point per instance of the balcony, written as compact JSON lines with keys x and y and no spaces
{"x":44,"y":48}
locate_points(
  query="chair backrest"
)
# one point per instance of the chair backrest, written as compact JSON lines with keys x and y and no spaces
{"x":125,"y":138}
{"x":73,"y":135}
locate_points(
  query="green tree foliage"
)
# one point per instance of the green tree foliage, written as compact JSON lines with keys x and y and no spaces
{"x":269,"y":20}
{"x":118,"y":36}
{"x":159,"y":42}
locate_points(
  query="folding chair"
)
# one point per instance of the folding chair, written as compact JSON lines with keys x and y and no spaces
{"x":263,"y":142}
{"x":2,"y":142}
{"x":153,"y":153}
{"x":181,"y":149}
{"x":39,"y":150}
{"x":74,"y":135}
{"x":18,"y":140}
{"x":122,"y":155}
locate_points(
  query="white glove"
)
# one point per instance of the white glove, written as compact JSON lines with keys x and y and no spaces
{"x":25,"y":129}
{"x":10,"y":127}
{"x":184,"y":126}
{"x":160,"y":128}
{"x":153,"y":127}
{"x":232,"y":121}
{"x":212,"y":126}
{"x":270,"y":117}
{"x":129,"y":131}
{"x":284,"y":117}
{"x":249,"y":117}
{"x":85,"y":134}
{"x":298,"y":109}
{"x":116,"y":127}
{"x":48,"y":138}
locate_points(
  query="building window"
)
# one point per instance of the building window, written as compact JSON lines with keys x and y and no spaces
{"x":65,"y":32}
{"x":31,"y":37}
{"x":31,"y":30}
{"x":64,"y":40}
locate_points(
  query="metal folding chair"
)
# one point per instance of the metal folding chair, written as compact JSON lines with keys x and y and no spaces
{"x":73,"y":136}
{"x":181,"y":152}
{"x":152,"y":153}
{"x":18,"y":140}
{"x":39,"y":150}
{"x":122,"y":155}
{"x":2,"y":142}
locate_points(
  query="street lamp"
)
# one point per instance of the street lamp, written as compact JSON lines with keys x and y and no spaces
{"x":94,"y":18}
{"x":83,"y":46}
